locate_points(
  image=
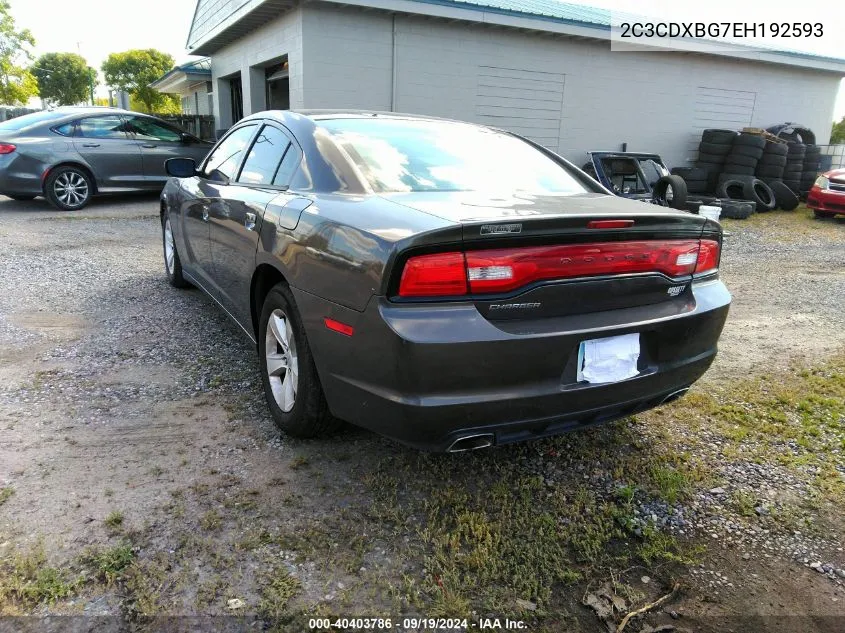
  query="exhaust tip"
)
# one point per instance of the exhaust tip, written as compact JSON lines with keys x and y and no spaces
{"x":471,"y":443}
{"x":674,"y":395}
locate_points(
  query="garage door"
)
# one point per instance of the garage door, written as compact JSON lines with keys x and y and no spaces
{"x":527,"y":102}
{"x":721,"y":108}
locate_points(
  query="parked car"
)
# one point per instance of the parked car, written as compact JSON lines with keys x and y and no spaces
{"x":639,"y":176}
{"x":70,"y":154}
{"x":827,"y":195}
{"x":448,"y":285}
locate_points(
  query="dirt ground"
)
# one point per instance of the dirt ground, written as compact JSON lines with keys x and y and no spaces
{"x":131,"y":416}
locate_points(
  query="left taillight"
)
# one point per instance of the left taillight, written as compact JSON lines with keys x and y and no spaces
{"x":438,"y":275}
{"x":7,"y":148}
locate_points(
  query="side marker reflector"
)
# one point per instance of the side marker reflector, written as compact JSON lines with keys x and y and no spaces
{"x":337,"y":326}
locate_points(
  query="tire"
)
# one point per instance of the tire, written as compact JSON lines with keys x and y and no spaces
{"x":732,"y":168}
{"x":747,"y":150}
{"x":725,"y":137}
{"x":710,"y":159}
{"x":812,"y":150}
{"x":697,"y":186}
{"x":172,"y":263}
{"x":762,"y":194}
{"x":796,"y":149}
{"x":299,"y":407}
{"x":793,"y":168}
{"x":776,"y":149}
{"x":773,"y":159}
{"x":679,"y":192}
{"x":693,"y":206}
{"x":68,"y":188}
{"x":809,"y":175}
{"x":736,"y":210}
{"x":784,"y":197}
{"x":717,"y":149}
{"x":731,"y":189}
{"x":709,"y":165}
{"x":20,"y":198}
{"x":742,"y":159}
{"x":769,"y":171}
{"x":689,"y":173}
{"x":750,"y":140}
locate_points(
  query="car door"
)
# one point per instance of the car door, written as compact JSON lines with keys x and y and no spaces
{"x":205,"y":199}
{"x":112,"y":154}
{"x":264,"y":176}
{"x":157,"y":142}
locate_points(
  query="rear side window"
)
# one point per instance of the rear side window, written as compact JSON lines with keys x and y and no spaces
{"x":64,"y":130}
{"x":108,"y":126}
{"x":264,"y":157}
{"x":21,"y":122}
{"x":223,"y":162}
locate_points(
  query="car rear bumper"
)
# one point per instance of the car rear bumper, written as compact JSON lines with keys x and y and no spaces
{"x":826,"y":200}
{"x":20,"y":175}
{"x":429,"y":375}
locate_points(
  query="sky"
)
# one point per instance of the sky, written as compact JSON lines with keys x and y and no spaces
{"x":95,"y":28}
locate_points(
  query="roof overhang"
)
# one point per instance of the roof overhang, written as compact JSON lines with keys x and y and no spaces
{"x":177,"y":81}
{"x":204,"y":39}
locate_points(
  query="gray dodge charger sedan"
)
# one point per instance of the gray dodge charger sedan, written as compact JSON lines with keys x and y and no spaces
{"x":448,"y":285}
{"x":70,"y":154}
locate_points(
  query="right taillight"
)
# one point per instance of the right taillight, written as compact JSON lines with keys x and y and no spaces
{"x":708,"y":257}
{"x":7,"y":148}
{"x":438,"y":275}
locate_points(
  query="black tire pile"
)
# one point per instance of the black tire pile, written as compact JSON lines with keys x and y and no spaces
{"x":713,"y":149}
{"x":746,"y":152}
{"x":794,"y":166}
{"x":810,"y":170}
{"x":772,"y":162}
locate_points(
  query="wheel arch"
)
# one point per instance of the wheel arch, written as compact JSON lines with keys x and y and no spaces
{"x":264,"y":278}
{"x":69,"y":163}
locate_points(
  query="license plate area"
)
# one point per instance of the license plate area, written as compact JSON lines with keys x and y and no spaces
{"x":608,"y":360}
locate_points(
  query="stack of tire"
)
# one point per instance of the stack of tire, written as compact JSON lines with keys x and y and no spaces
{"x":810,"y":169}
{"x":694,"y":177}
{"x":772,"y":162}
{"x":746,"y":152}
{"x":713,"y":149}
{"x":794,"y":168}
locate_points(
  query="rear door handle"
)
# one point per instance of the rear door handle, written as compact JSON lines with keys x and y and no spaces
{"x":205,"y":214}
{"x":90,"y":145}
{"x":249,"y":221}
{"x":149,"y":145}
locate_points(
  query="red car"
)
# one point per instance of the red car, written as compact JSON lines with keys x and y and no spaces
{"x":827,"y":196}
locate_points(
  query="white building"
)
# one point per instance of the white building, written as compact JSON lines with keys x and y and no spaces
{"x":540,"y":68}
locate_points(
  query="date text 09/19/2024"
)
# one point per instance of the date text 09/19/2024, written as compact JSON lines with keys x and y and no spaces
{"x":416,"y":624}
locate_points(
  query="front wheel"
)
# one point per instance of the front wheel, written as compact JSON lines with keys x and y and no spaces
{"x":291,"y":384}
{"x":68,"y":188}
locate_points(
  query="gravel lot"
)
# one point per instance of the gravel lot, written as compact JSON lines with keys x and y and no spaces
{"x":131,"y":417}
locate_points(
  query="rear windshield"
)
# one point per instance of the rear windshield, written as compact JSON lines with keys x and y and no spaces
{"x":20,"y":122}
{"x":401,"y":155}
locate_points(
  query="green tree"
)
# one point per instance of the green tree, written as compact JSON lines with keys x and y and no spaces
{"x":17,"y":84}
{"x":837,"y":135}
{"x":134,"y":71}
{"x":171,"y":104}
{"x":63,"y":78}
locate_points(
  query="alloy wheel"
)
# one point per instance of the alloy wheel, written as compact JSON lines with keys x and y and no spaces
{"x":71,"y":188}
{"x":169,"y":247}
{"x":281,"y":359}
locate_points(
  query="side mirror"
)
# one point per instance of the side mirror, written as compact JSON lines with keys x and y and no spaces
{"x":181,"y":167}
{"x":186,"y":138}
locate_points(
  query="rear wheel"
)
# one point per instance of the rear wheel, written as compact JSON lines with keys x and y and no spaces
{"x":172,"y":263}
{"x":68,"y":188}
{"x":291,"y":384}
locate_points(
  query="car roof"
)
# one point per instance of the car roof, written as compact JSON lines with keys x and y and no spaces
{"x":324,"y":115}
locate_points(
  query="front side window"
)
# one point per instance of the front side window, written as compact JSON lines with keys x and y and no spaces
{"x":264,"y":157}
{"x":398,"y":155}
{"x":106,"y":126}
{"x":223,"y":162}
{"x":151,"y":130}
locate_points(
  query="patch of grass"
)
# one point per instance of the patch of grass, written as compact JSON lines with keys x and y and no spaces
{"x":143,"y":581}
{"x":278,"y":589}
{"x":211,"y":520}
{"x":110,"y":563}
{"x":114,"y":520}
{"x":744,"y":502}
{"x":6,"y":493}
{"x":27,"y":581}
{"x":299,"y":462}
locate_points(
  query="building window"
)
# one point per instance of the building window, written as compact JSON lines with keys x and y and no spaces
{"x":186,"y":107}
{"x":237,"y":94}
{"x":278,"y":87}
